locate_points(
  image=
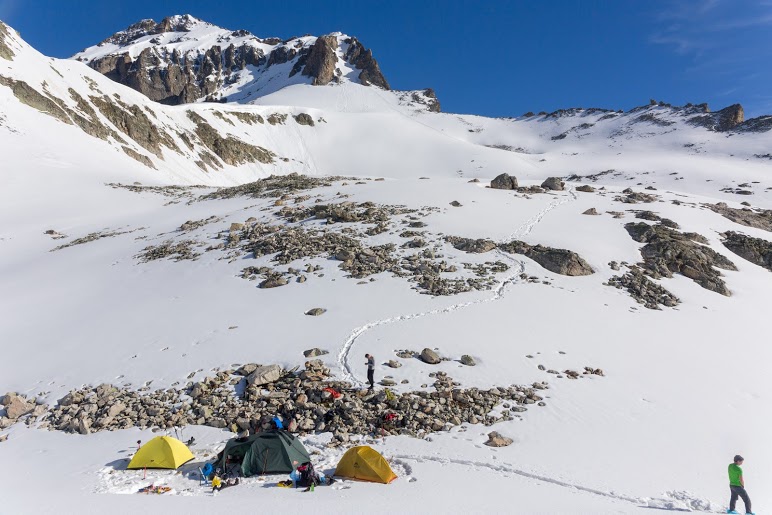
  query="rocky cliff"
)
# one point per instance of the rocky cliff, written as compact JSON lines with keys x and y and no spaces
{"x":182,"y":60}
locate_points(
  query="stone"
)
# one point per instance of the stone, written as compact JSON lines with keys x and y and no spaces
{"x":468,"y":360}
{"x":456,"y":203}
{"x":264,"y":375}
{"x":393,"y":363}
{"x":273,"y":282}
{"x":429,"y":356}
{"x":315,"y":312}
{"x":755,"y":250}
{"x":591,"y":211}
{"x":585,"y":188}
{"x":559,"y":261}
{"x":312,"y":353}
{"x":504,"y":181}
{"x":387,"y":382}
{"x":497,"y":440}
{"x":553,"y":183}
{"x":16,"y":406}
{"x":116,"y":409}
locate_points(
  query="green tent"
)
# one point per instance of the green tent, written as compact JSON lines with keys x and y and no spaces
{"x":270,"y":452}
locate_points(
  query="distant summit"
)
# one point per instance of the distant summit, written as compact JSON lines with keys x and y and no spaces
{"x":182,"y":59}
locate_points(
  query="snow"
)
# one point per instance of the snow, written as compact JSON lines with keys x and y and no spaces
{"x":684,"y":390}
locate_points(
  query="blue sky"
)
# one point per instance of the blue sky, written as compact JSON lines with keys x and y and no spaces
{"x":492,"y":58}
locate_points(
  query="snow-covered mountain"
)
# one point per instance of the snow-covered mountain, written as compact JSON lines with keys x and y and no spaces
{"x":149,"y":251}
{"x":183,"y":59}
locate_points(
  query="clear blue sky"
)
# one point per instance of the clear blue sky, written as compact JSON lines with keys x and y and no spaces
{"x":498,"y":58}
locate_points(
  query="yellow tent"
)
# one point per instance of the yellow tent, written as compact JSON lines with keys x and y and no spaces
{"x":365,"y":463}
{"x":162,"y":452}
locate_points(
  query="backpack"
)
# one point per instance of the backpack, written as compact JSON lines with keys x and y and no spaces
{"x":308,"y":475}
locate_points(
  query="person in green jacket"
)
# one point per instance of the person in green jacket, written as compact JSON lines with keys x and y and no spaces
{"x":737,"y":486}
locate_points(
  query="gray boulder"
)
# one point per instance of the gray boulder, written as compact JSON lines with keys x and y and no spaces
{"x":496,"y":440}
{"x":553,"y":183}
{"x":430,"y":357}
{"x":468,"y":360}
{"x":504,"y":182}
{"x":312,"y":353}
{"x":315,"y":312}
{"x":591,"y":211}
{"x":16,"y":405}
{"x":265,"y":375}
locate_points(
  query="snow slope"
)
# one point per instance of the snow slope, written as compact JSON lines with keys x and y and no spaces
{"x":684,"y":389}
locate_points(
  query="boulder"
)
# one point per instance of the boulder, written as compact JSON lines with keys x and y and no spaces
{"x":393,"y":363}
{"x":591,"y":211}
{"x":504,"y":182}
{"x":496,"y":440}
{"x":553,"y":183}
{"x":585,"y":188}
{"x":312,"y":353}
{"x":430,"y":357}
{"x":315,"y":312}
{"x":116,"y":409}
{"x":16,"y":405}
{"x":264,"y":375}
{"x":455,"y":203}
{"x":468,"y":360}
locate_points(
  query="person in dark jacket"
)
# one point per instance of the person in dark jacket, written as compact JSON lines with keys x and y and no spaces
{"x":370,"y":370}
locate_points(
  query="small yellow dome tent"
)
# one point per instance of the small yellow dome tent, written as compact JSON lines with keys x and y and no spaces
{"x":365,"y":463}
{"x":162,"y":452}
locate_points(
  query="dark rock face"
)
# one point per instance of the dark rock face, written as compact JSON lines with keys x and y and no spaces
{"x":721,"y":121}
{"x":668,"y":251}
{"x":559,"y":261}
{"x":362,"y":59}
{"x":321,"y":60}
{"x":758,"y":218}
{"x":231,"y":150}
{"x":755,"y":250}
{"x":504,"y":182}
{"x":174,"y":78}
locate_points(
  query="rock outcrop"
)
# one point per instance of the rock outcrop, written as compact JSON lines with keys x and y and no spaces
{"x":5,"y":51}
{"x":755,"y":250}
{"x":667,"y":251}
{"x":758,"y":218}
{"x":165,"y":73}
{"x":559,"y":261}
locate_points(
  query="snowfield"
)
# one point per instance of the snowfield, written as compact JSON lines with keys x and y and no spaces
{"x":684,"y":389}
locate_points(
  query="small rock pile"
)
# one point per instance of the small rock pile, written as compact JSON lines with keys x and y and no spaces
{"x":304,"y":400}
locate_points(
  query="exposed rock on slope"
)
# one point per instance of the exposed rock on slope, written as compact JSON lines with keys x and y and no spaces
{"x":504,"y":181}
{"x":158,"y":60}
{"x":231,"y":150}
{"x":559,"y":261}
{"x":5,"y":50}
{"x":668,"y":251}
{"x":644,"y":290}
{"x":755,"y":250}
{"x":758,"y":218}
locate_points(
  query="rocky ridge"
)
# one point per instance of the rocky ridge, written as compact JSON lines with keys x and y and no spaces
{"x":157,"y":60}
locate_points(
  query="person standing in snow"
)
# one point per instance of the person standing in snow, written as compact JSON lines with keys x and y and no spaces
{"x":737,"y":486}
{"x":370,"y":370}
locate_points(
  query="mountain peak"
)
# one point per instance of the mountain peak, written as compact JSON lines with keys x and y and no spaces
{"x":148,"y":26}
{"x":182,"y":59}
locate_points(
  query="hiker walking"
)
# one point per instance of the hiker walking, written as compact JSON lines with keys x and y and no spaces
{"x":737,"y":486}
{"x":370,"y":370}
